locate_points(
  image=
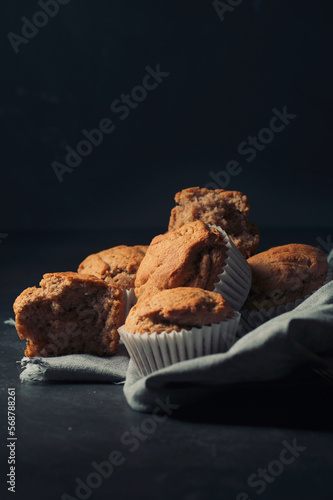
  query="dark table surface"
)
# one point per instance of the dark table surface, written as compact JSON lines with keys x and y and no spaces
{"x":215,"y":450}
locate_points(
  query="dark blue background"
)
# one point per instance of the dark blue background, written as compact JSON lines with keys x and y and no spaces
{"x":225,"y":78}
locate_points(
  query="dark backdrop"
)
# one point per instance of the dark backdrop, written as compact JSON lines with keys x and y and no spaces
{"x":225,"y":77}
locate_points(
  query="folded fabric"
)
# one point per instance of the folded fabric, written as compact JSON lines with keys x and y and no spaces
{"x":76,"y":367}
{"x":269,"y":352}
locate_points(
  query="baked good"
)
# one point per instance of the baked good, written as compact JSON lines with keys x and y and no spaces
{"x":177,"y":308}
{"x":226,"y":209}
{"x":70,"y":314}
{"x":192,"y":255}
{"x":284,"y":274}
{"x":176,"y":325}
{"x":118,"y":264}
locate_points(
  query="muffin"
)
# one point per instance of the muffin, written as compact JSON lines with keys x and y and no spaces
{"x":70,"y":314}
{"x":282,"y":278}
{"x":226,"y":209}
{"x":195,"y":255}
{"x":178,"y":324}
{"x":118,"y":266}
{"x":177,"y":308}
{"x":119,"y":263}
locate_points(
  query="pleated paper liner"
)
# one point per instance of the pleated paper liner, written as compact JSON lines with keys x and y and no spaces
{"x":130,"y":300}
{"x":151,"y":352}
{"x":235,"y":281}
{"x":251,"y":319}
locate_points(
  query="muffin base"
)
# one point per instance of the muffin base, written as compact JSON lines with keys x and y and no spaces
{"x":152,"y":352}
{"x":130,"y":300}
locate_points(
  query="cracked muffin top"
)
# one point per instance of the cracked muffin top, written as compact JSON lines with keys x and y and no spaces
{"x":177,"y":308}
{"x":117,"y":265}
{"x":192,"y":255}
{"x":284,"y":274}
{"x":227,"y":209}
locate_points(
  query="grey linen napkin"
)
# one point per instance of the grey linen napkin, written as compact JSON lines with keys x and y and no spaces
{"x":76,"y":367}
{"x":269,"y":352}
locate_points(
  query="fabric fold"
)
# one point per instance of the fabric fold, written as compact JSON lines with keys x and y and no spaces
{"x":76,"y":367}
{"x":269,"y":352}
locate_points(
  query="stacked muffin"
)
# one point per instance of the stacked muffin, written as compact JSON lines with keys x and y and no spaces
{"x":178,"y":298}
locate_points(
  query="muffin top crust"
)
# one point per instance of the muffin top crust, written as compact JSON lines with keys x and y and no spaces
{"x":177,"y":308}
{"x":226,"y":209}
{"x":284,"y":274}
{"x":118,"y":264}
{"x":192,"y":255}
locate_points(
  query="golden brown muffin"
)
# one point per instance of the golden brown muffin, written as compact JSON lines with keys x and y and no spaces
{"x":177,"y":308}
{"x":119,"y":264}
{"x":227,"y":209}
{"x":70,"y":314}
{"x":192,"y":256}
{"x":284,"y":274}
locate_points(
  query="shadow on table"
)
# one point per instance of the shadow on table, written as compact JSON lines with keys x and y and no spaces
{"x":302,"y":400}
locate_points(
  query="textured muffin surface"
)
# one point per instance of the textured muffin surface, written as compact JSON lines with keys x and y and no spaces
{"x":118,"y":264}
{"x":284,"y":274}
{"x":177,"y":308}
{"x":192,"y":255}
{"x":227,"y":209}
{"x":70,"y":314}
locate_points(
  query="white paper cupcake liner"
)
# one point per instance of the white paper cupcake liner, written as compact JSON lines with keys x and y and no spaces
{"x":130,"y":300}
{"x":151,"y":352}
{"x":235,"y":281}
{"x":251,"y":319}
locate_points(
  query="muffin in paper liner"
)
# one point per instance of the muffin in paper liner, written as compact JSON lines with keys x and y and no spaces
{"x":130,"y":300}
{"x":235,"y":281}
{"x":151,"y":352}
{"x":251,"y":319}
